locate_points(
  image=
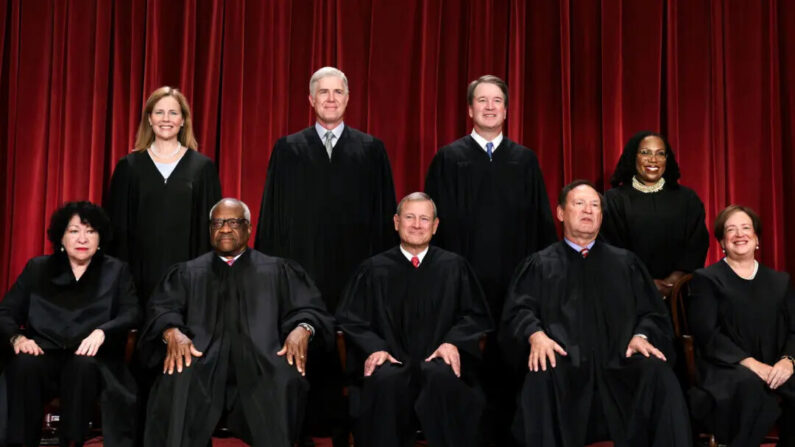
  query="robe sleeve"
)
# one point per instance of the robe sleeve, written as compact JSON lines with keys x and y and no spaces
{"x":702,"y":315}
{"x":385,"y":205}
{"x":697,"y":244}
{"x":14,"y":307}
{"x":444,"y":198}
{"x":789,"y":309}
{"x":165,"y":309}
{"x":267,"y":226}
{"x":119,"y":206}
{"x":544,"y":224}
{"x":522,"y":311}
{"x":653,"y":319}
{"x":208,"y":194}
{"x":128,"y":314}
{"x":357,"y":312}
{"x":473,"y":320}
{"x":614,"y":226}
{"x":300,"y":301}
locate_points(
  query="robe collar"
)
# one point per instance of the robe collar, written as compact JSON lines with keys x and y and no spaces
{"x":337,"y":131}
{"x":240,"y":260}
{"x":408,"y":255}
{"x":482,"y":141}
{"x":61,"y":271}
{"x":578,"y":248}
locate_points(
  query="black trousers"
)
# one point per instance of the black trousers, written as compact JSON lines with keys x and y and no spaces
{"x":264,"y":409}
{"x":638,"y":405}
{"x":35,"y":380}
{"x":395,"y":398}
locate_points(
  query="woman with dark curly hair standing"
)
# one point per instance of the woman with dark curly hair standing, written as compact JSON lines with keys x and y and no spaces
{"x":66,"y":318}
{"x":649,"y":213}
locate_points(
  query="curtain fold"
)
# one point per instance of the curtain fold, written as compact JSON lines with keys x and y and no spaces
{"x":715,"y":76}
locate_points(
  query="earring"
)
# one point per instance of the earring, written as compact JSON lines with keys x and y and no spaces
{"x":99,"y":248}
{"x":62,"y":249}
{"x":757,"y":247}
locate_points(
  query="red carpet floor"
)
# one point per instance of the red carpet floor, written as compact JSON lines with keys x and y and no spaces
{"x":319,"y":442}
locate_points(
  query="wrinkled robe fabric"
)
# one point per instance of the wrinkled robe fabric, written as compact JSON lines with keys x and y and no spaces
{"x":238,"y":316}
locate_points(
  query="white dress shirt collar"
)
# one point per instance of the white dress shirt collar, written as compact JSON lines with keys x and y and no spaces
{"x":337,"y":131}
{"x":482,"y":141}
{"x":420,"y":255}
{"x":234,"y":258}
{"x":577,"y":247}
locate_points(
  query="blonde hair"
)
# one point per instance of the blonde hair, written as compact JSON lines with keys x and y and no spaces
{"x":145,"y":136}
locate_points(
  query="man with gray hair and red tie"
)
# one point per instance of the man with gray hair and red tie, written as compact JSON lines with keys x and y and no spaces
{"x":414,"y":317}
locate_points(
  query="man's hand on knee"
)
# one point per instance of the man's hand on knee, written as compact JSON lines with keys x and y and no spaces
{"x":295,"y":348}
{"x":377,"y":359}
{"x":25,"y":345}
{"x":449,"y":353}
{"x":180,"y":350}
{"x":543,"y":348}
{"x":640,"y":345}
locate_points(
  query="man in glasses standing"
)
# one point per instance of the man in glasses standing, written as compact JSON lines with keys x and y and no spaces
{"x":232,"y":329}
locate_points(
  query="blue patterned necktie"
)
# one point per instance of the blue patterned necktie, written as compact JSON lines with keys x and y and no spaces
{"x":489,"y":148}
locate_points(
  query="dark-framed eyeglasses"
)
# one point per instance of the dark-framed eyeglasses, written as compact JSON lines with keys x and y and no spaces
{"x":648,"y":155}
{"x":234,"y":223}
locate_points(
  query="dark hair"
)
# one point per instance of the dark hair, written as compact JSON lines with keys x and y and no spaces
{"x":625,"y":168}
{"x":564,"y":193}
{"x":89,"y":213}
{"x":487,"y":79}
{"x":723,"y":216}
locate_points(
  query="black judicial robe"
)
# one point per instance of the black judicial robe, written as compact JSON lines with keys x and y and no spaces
{"x":733,"y":318}
{"x":665,"y":229}
{"x":493,"y":213}
{"x":238,"y":317}
{"x":389,"y":305}
{"x":591,"y":307}
{"x":328,"y":215}
{"x":58,"y":312}
{"x":158,"y":223}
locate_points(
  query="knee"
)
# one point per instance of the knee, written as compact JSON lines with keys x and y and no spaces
{"x":654,"y":369}
{"x":749,"y":384}
{"x":437,"y":374}
{"x":536,"y":384}
{"x":289,"y":378}
{"x":26,"y":366}
{"x":388,"y":376}
{"x":538,"y":379}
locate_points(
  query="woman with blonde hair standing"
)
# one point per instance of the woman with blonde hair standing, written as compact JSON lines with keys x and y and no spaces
{"x":161,"y":193}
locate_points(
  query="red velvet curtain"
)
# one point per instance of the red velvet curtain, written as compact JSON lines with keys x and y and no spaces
{"x":716,"y":76}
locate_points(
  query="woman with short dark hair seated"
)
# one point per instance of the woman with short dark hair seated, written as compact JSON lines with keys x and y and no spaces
{"x":742,"y":315}
{"x":67,"y":317}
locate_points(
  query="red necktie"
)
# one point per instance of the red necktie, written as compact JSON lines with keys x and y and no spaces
{"x":584,"y":252}
{"x":230,"y":261}
{"x":415,"y":261}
